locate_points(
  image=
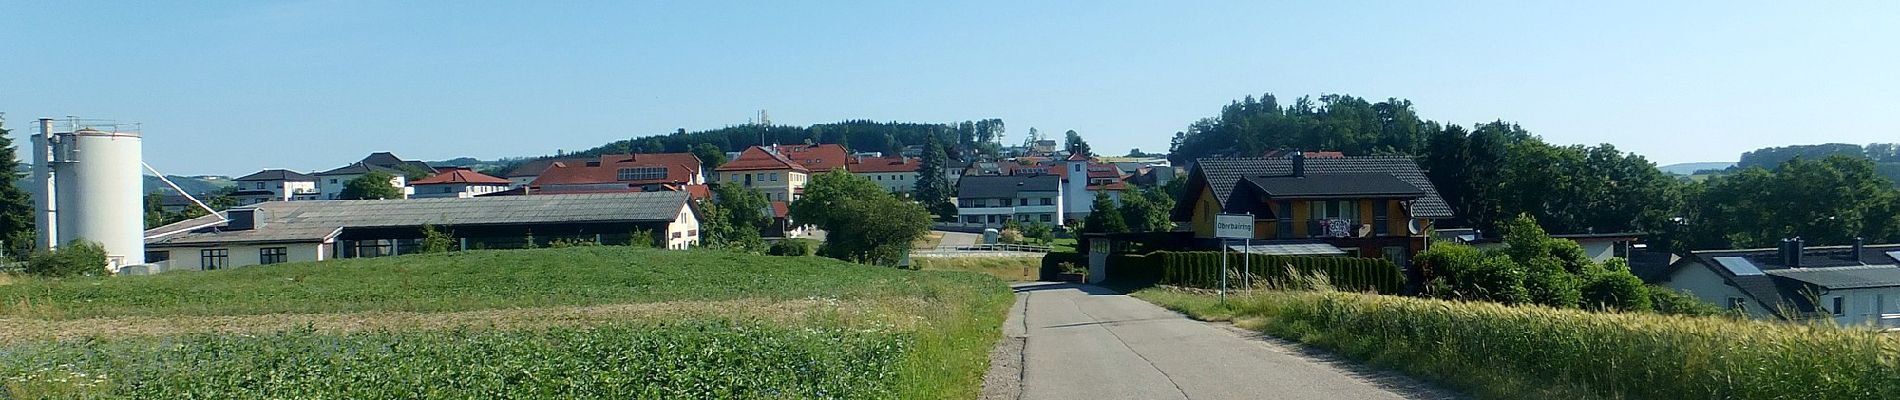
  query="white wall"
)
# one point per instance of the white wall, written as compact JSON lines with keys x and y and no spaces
{"x":331,"y":191}
{"x":1711,"y":288}
{"x":1863,"y":307}
{"x":896,"y":182}
{"x":683,"y":233}
{"x":241,"y":255}
{"x":453,"y":190}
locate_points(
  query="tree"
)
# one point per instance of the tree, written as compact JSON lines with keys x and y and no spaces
{"x":892,"y":147}
{"x":933,"y":188}
{"x":1073,"y":141}
{"x":1614,"y":288}
{"x":375,"y":185}
{"x":735,"y":219}
{"x":16,"y":208}
{"x":1041,"y":233}
{"x":1104,"y":216}
{"x":436,"y":241}
{"x":1826,"y":202}
{"x":710,"y":157}
{"x":862,"y":222}
{"x":1146,"y":210}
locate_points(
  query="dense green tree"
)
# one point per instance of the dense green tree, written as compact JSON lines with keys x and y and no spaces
{"x":862,"y":222}
{"x":1614,"y":288}
{"x":1826,"y":202}
{"x":710,"y":157}
{"x":1039,"y":232}
{"x":933,"y":188}
{"x":16,"y":208}
{"x":1074,"y":143}
{"x":1104,"y":216}
{"x":371,"y":186}
{"x":1146,"y":210}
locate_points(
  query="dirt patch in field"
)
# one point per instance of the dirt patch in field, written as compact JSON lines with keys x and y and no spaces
{"x":897,"y":313}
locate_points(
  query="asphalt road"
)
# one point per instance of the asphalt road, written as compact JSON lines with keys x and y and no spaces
{"x":1083,"y":342}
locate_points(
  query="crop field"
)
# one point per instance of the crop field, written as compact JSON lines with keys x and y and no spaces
{"x":587,"y":322}
{"x":1013,"y":269}
{"x":1505,"y":352}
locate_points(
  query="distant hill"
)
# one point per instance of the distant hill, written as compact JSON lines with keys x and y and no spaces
{"x":1691,"y":168}
{"x":197,"y":185}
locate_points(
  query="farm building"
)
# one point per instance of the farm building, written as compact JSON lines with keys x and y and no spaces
{"x":286,"y":231}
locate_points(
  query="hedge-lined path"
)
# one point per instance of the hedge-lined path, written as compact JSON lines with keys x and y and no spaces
{"x":1085,"y":342}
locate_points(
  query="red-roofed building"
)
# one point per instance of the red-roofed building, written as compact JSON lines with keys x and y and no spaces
{"x":819,"y":158}
{"x":457,"y":183}
{"x":619,"y":173}
{"x":766,"y":170}
{"x":895,"y":174}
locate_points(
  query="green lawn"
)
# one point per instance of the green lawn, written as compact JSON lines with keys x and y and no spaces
{"x":1015,"y":269}
{"x":586,"y":322}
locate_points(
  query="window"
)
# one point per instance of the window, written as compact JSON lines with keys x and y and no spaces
{"x":214,"y":258}
{"x":676,"y":235}
{"x":1379,"y":224}
{"x":1838,"y":305}
{"x":1396,"y":254}
{"x":641,"y":173}
{"x":272,"y":255}
{"x":1284,"y":219}
{"x":333,"y":181}
{"x":1022,"y":202}
{"x":1045,"y":218}
{"x":1737,"y":303}
{"x":260,"y":185}
{"x":1048,"y":201}
{"x":157,"y":256}
{"x":774,"y":176}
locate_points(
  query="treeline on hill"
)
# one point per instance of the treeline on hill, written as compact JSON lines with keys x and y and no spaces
{"x":1491,"y":172}
{"x":962,"y":138}
{"x":1885,"y":156}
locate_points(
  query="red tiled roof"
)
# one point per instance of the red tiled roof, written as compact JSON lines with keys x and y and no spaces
{"x":699,"y":192}
{"x":780,"y":209}
{"x":816,"y":157}
{"x":1078,"y":157}
{"x":758,"y":158}
{"x":459,"y":175}
{"x":883,"y":164}
{"x":680,"y":168}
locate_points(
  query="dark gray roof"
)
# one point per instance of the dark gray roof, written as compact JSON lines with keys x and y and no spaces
{"x":1866,"y":276}
{"x":1005,"y":186}
{"x":298,"y":221}
{"x":1354,"y":184}
{"x":361,"y":168}
{"x":1224,"y":174}
{"x":278,"y":175}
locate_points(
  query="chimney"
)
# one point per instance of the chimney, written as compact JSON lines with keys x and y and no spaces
{"x":1783,"y":251}
{"x":1299,"y":164}
{"x":1860,"y":244}
{"x":1800,"y":246}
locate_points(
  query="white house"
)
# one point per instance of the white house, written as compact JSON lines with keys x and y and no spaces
{"x":992,"y":200}
{"x":278,"y":232}
{"x":1855,"y":286}
{"x":275,"y":185}
{"x":895,"y":174}
{"x":457,"y":183}
{"x":330,"y":183}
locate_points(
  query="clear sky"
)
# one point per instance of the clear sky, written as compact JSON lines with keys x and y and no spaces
{"x":233,"y":87}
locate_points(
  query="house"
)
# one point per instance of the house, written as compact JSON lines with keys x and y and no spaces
{"x":992,"y":200}
{"x":457,"y":183}
{"x":621,"y":172}
{"x":1043,"y":147}
{"x":1856,"y":285}
{"x":766,"y":170}
{"x":330,"y":183}
{"x":275,"y":185}
{"x":1083,"y":179}
{"x":1363,"y":206}
{"x":290,"y":231}
{"x":819,"y":158}
{"x":525,"y":173}
{"x":895,"y":174}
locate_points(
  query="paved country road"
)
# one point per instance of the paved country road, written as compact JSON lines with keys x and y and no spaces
{"x":1082,"y":342}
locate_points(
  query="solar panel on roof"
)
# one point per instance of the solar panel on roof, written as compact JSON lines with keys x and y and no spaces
{"x":1738,"y":266}
{"x":1895,"y":255}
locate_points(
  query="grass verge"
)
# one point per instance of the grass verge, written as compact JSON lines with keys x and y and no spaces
{"x":1503,"y":352}
{"x":1014,"y":269}
{"x":588,"y":322}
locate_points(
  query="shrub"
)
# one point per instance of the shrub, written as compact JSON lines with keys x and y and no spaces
{"x":1010,"y":236}
{"x":642,"y":238}
{"x":793,"y":248}
{"x":1547,"y":283}
{"x":1671,"y":301}
{"x":436,"y":241}
{"x":1612,"y":289}
{"x":1491,"y":278}
{"x":78,"y":258}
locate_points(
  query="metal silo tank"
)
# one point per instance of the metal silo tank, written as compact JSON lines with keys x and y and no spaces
{"x":100,"y":192}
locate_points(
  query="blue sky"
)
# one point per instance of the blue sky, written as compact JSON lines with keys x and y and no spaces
{"x":233,"y":87}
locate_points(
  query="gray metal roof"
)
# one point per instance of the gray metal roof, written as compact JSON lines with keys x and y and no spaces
{"x":1224,"y":174}
{"x":278,"y":175}
{"x":1866,"y":276}
{"x":1005,"y":186}
{"x":294,"y":221}
{"x":360,"y":168}
{"x":1290,"y":249}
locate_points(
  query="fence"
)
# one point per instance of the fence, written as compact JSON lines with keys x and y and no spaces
{"x":996,"y":247}
{"x":1201,"y":269}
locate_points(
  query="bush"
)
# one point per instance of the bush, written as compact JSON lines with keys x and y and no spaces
{"x":1010,"y":236}
{"x":1671,"y":301}
{"x":1464,"y":273}
{"x":436,"y":241}
{"x":1613,"y":289}
{"x":1547,"y":283}
{"x":1201,"y":269}
{"x":78,"y":258}
{"x":793,"y":248}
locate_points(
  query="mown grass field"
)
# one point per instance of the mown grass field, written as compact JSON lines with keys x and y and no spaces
{"x":1504,"y":352}
{"x":588,"y":322}
{"x":1014,"y":269}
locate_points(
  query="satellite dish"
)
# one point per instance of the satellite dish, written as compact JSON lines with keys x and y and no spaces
{"x":1412,"y":226}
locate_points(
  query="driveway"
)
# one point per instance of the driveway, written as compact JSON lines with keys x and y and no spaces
{"x":1082,"y":342}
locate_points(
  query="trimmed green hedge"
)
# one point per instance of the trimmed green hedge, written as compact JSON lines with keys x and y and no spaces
{"x":1051,"y":263}
{"x":1201,"y":269}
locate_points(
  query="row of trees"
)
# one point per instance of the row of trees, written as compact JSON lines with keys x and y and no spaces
{"x":1493,"y":171}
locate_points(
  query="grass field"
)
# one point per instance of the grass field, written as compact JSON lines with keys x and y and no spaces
{"x":1504,"y":352}
{"x":588,"y":322}
{"x":1014,"y":269}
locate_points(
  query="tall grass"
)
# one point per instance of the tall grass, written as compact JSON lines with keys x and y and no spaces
{"x":1013,"y":269}
{"x":1499,"y":351}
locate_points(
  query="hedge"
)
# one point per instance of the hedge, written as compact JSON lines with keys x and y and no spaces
{"x":1201,"y":269}
{"x":1051,"y":263}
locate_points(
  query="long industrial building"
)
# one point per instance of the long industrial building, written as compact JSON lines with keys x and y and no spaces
{"x":290,"y":231}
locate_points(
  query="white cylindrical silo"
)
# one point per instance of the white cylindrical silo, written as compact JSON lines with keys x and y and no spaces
{"x":100,"y":192}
